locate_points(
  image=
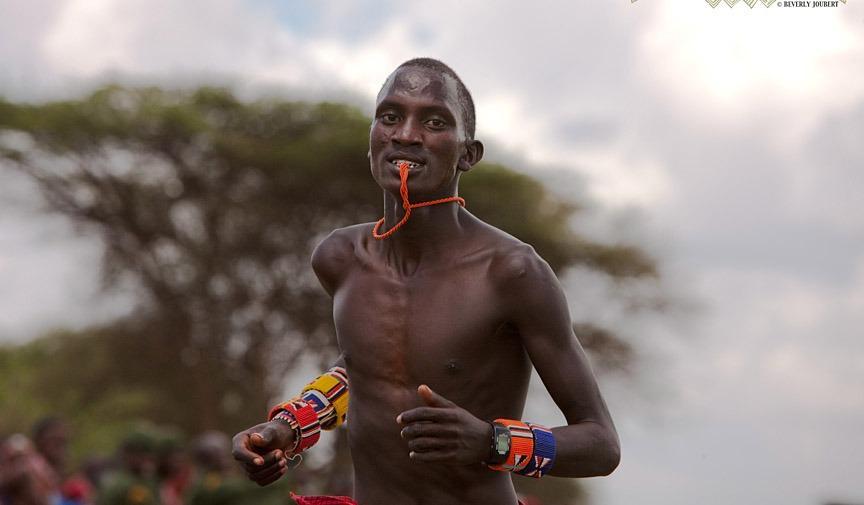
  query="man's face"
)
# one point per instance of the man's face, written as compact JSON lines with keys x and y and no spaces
{"x":418,"y":119}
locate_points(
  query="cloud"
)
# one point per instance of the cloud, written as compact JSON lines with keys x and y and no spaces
{"x":726,"y":61}
{"x":50,"y":274}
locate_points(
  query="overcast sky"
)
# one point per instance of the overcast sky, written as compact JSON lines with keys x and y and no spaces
{"x":722,"y":139}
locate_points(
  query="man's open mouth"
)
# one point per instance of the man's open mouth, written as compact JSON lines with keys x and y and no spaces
{"x":411,"y":164}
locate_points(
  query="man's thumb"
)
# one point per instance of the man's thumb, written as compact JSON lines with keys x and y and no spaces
{"x":431,"y":398}
{"x":262,"y":438}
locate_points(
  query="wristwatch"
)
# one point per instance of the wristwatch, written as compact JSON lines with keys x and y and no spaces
{"x":500,"y":448}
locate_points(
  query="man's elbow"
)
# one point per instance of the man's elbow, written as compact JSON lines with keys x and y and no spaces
{"x":596,"y":455}
{"x":611,"y":457}
{"x":605,"y":454}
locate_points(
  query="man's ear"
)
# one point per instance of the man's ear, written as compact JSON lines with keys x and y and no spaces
{"x":472,"y":155}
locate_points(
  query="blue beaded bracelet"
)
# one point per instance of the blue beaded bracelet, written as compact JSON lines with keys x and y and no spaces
{"x":544,"y":453}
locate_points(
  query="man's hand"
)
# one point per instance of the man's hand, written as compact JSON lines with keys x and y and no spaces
{"x":260,"y":450}
{"x":444,"y":432}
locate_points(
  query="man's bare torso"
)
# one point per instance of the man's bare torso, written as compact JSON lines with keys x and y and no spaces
{"x":437,"y":322}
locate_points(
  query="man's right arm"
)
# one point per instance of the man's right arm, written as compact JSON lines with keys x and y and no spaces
{"x":260,"y":449}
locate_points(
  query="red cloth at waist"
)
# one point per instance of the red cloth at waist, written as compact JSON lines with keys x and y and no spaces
{"x":327,"y":500}
{"x":322,"y":500}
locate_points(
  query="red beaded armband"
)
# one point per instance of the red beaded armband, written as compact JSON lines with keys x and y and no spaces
{"x":288,"y":418}
{"x":307,"y":419}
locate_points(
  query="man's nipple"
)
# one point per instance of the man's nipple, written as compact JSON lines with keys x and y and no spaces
{"x":453,"y":367}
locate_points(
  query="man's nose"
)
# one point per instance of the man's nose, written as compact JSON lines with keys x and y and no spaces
{"x":407,"y":133}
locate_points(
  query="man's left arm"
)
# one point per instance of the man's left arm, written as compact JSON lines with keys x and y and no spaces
{"x":588,"y":445}
{"x":443,"y":432}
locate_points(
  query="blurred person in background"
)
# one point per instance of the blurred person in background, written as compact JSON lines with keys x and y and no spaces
{"x":212,"y":453}
{"x":51,"y":439}
{"x":134,"y":483}
{"x":26,"y":478}
{"x":173,"y":469}
{"x":95,"y":468}
{"x":217,"y":481}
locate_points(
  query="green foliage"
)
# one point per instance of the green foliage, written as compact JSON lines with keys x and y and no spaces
{"x":20,"y":368}
{"x":67,"y":374}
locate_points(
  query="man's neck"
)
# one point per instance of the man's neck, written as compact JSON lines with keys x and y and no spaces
{"x":423,"y":238}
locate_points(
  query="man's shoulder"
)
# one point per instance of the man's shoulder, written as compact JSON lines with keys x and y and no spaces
{"x":340,"y":243}
{"x":513,"y":260}
{"x":343,"y":238}
{"x":521,"y":279}
{"x":336,"y":251}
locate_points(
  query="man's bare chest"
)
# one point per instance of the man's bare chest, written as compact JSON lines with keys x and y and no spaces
{"x":417,"y":327}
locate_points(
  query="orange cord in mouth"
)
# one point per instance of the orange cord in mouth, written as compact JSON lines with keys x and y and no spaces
{"x":407,"y":205}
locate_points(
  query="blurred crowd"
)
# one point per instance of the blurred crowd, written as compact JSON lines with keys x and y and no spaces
{"x":148,"y":468}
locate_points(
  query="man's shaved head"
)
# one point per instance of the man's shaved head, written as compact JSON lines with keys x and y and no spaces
{"x":466,"y":103}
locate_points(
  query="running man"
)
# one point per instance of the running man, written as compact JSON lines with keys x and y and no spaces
{"x":439,"y":318}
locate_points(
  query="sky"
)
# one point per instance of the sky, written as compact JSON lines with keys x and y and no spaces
{"x":720,"y":139}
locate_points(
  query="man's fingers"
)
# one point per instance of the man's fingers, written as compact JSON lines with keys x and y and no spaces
{"x":427,"y":444}
{"x":415,"y":430}
{"x":241,"y":450}
{"x":262,"y":461}
{"x":427,"y":414}
{"x":273,"y":478}
{"x":433,"y":456}
{"x":267,"y":472}
{"x":432,"y":398}
{"x":254,"y":469}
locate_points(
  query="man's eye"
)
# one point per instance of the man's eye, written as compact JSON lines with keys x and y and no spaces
{"x":436,"y":123}
{"x":389,"y":117}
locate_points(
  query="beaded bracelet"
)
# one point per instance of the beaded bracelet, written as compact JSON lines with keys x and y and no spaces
{"x":333,"y":407}
{"x":325,"y":410}
{"x":307,"y":420}
{"x":521,"y":446}
{"x":323,"y":404}
{"x":544,"y":453}
{"x":328,"y":395}
{"x":532,"y":449}
{"x":288,"y":418}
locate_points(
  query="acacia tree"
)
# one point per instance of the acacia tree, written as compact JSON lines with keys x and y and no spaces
{"x":211,"y":206}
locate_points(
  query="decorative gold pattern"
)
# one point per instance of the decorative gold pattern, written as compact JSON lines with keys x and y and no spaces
{"x":731,"y":3}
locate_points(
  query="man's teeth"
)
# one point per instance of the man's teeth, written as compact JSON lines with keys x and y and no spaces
{"x":411,"y":164}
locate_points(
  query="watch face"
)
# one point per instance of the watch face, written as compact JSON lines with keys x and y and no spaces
{"x":502,"y":442}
